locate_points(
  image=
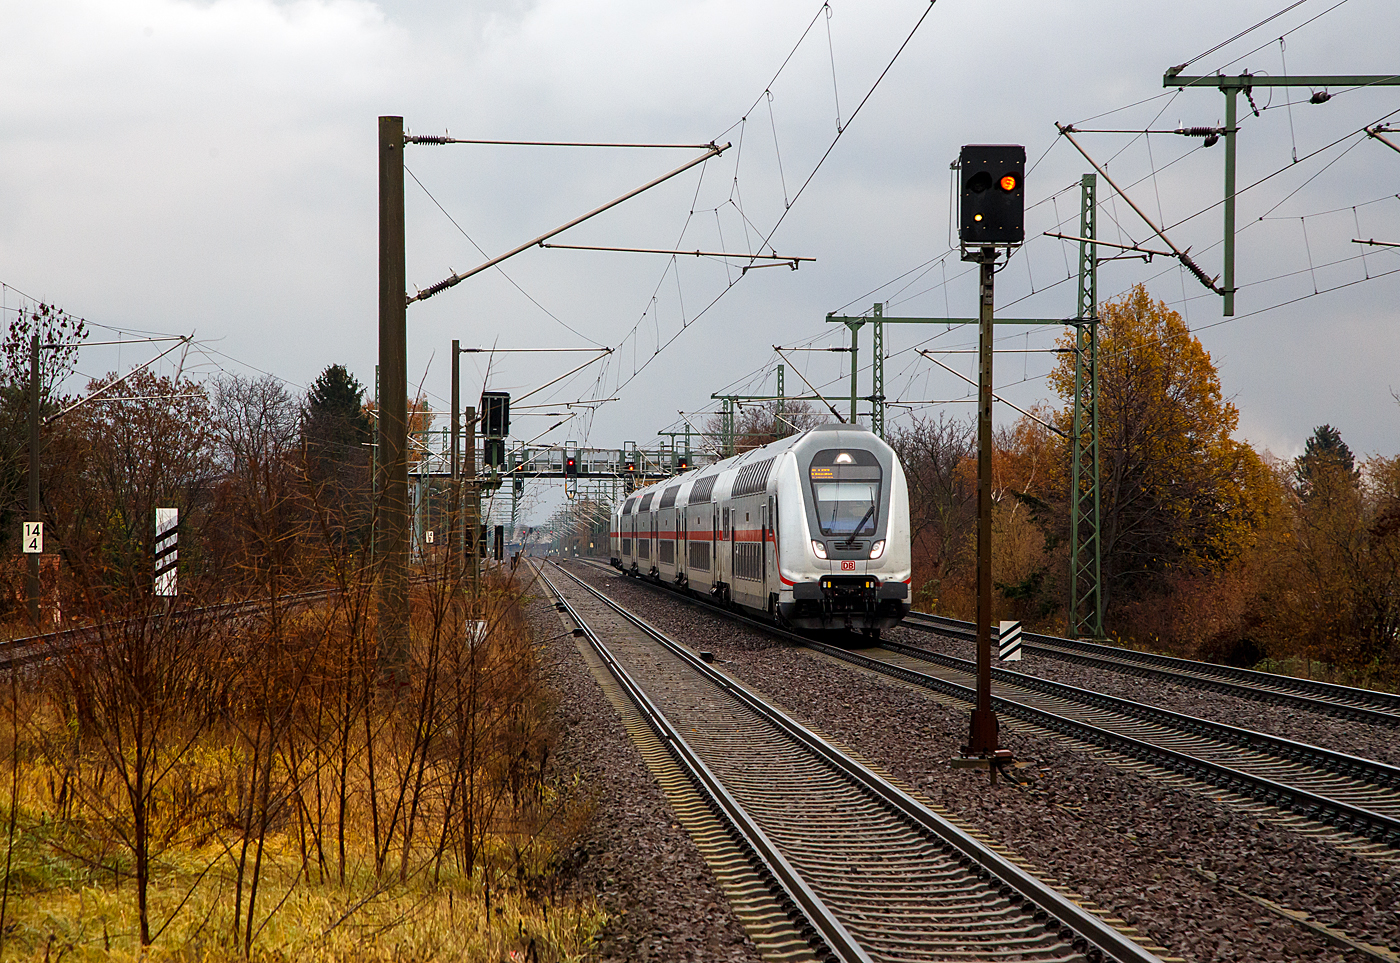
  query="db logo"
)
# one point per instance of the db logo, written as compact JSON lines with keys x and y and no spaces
{"x":848,"y":566}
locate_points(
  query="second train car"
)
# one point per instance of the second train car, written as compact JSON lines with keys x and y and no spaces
{"x":811,"y":530}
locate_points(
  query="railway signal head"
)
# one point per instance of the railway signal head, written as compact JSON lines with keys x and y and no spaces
{"x":992,"y":197}
{"x":495,"y":411}
{"x":570,"y":465}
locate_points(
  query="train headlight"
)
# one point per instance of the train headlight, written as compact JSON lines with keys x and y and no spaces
{"x":877,"y":549}
{"x":819,"y":548}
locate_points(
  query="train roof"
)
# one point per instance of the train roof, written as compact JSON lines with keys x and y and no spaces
{"x":753,"y":454}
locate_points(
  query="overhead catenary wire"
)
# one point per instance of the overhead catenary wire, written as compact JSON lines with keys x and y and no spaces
{"x":835,"y":140}
{"x":789,"y":202}
{"x":1269,"y":43}
{"x":1160,"y":232}
{"x":457,"y":278}
{"x":500,"y":270}
{"x":1248,"y":30}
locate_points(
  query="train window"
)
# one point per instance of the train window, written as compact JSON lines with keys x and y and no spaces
{"x":847,"y":508}
{"x":846,"y":490}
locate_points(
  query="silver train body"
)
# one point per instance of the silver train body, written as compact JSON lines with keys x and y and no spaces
{"x":812,"y":530}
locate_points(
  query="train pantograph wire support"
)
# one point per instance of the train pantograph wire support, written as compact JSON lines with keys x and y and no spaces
{"x":1085,"y":547}
{"x":1231,"y":88}
{"x":390,"y":531}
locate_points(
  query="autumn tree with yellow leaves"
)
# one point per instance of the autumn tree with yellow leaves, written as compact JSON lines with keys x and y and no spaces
{"x":1179,"y":496}
{"x":1207,"y":548}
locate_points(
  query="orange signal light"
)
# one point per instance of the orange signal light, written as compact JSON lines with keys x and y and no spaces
{"x":1008,"y":183}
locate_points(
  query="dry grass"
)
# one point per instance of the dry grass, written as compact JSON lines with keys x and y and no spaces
{"x":270,"y":791}
{"x":62,"y":911}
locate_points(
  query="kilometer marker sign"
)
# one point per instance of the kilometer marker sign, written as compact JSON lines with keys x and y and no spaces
{"x":33,"y":538}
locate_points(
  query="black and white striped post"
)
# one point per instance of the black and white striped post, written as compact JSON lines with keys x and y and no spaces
{"x":167,"y":551}
{"x":1009,"y":641}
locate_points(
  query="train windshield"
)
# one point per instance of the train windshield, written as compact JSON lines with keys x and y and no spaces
{"x":846,"y":490}
{"x":848,"y":507}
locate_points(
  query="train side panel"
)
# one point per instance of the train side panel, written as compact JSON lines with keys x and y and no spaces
{"x":812,"y":529}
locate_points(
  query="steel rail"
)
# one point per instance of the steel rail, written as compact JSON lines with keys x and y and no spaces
{"x":818,"y":915}
{"x":1078,"y":921}
{"x":1336,"y":812}
{"x":1366,"y":705}
{"x":1372,"y":771}
{"x":34,"y":648}
{"x":1325,"y":809}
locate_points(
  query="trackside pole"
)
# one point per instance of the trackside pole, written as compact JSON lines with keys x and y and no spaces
{"x":991,"y":214}
{"x":391,"y":520}
{"x":982,"y":740}
{"x":982,"y":750}
{"x":32,"y":575}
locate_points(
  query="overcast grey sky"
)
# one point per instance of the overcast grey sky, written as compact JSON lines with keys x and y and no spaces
{"x":178,"y":166}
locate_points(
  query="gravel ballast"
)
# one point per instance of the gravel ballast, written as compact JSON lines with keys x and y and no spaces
{"x":1139,"y":849}
{"x":662,"y":901}
{"x":1356,"y":738}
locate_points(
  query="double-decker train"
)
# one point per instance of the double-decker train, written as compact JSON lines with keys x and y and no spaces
{"x":811,"y":530}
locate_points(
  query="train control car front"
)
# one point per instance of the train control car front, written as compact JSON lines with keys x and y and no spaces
{"x":843,"y":533}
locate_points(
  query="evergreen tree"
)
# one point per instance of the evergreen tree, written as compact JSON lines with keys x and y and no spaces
{"x":1324,"y":453}
{"x":337,"y":425}
{"x":337,"y":429}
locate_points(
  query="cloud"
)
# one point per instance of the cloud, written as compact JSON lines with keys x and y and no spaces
{"x":211,"y":166}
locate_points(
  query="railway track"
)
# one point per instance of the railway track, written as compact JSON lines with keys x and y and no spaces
{"x":873,"y":873}
{"x":1361,"y":797}
{"x":1357,"y":795}
{"x":35,"y":648}
{"x":1344,"y":702}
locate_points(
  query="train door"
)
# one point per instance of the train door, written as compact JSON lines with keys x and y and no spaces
{"x":716,"y":543}
{"x":728,"y":521}
{"x":682,"y":543}
{"x":773,"y":527}
{"x":763,"y":543}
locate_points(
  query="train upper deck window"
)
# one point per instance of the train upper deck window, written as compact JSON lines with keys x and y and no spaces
{"x":846,"y":491}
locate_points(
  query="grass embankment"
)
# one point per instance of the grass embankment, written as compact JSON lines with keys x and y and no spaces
{"x":285,"y":792}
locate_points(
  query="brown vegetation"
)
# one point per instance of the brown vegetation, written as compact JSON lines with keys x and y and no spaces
{"x":1209,"y":549}
{"x":197,"y":777}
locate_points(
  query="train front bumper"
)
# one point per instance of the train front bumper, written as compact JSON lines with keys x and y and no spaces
{"x":838,"y":602}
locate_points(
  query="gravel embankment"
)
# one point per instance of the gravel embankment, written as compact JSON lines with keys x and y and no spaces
{"x":663,"y":902}
{"x":1135,"y":847}
{"x":1356,"y":738}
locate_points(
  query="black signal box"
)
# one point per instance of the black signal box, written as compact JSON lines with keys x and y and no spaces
{"x":495,"y":452}
{"x":495,"y":414}
{"x":992,"y":196}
